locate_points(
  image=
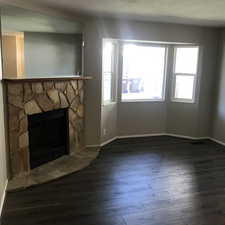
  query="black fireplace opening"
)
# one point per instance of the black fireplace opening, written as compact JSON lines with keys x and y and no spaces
{"x":48,"y":136}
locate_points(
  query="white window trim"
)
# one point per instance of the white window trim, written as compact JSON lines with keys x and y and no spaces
{"x":163,"y":99}
{"x":143,"y":100}
{"x":196,"y":77}
{"x":113,"y":74}
{"x":105,"y":103}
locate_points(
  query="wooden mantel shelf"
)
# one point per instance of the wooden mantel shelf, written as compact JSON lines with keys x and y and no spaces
{"x":42,"y":79}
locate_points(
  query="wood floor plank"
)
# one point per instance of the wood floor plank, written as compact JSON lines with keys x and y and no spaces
{"x":140,"y":181}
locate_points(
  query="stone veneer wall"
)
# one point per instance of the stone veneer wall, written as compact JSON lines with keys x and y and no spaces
{"x":31,"y":97}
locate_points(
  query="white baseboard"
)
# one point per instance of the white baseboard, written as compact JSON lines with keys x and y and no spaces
{"x":107,"y":142}
{"x":156,"y":134}
{"x":217,"y":141}
{"x":2,"y":199}
{"x":163,"y":134}
{"x":187,"y":137}
{"x":140,"y":135}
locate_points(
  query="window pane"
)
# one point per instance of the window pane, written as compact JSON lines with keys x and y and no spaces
{"x":186,"y":60}
{"x":184,"y":87}
{"x":107,"y":56}
{"x":108,"y":61}
{"x":143,"y":72}
{"x":107,"y":86}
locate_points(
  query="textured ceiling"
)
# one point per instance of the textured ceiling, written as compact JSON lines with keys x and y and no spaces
{"x":202,"y":12}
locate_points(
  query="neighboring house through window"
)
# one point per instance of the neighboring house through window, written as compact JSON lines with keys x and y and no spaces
{"x":143,"y":72}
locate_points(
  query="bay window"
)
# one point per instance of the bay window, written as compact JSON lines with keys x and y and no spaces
{"x":142,"y":71}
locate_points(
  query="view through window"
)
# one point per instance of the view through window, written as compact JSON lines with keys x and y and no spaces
{"x":143,"y":72}
{"x":108,"y":67}
{"x":185,"y":73}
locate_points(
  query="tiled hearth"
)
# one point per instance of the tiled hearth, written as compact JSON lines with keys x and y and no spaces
{"x":28,"y":97}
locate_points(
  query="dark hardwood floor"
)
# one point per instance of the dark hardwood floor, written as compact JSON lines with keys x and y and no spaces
{"x":142,"y":181}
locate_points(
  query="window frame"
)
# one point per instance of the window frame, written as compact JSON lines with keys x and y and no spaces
{"x":166,"y":46}
{"x":114,"y":72}
{"x":174,"y":75}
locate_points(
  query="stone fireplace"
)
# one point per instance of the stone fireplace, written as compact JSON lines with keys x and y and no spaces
{"x":29,"y":98}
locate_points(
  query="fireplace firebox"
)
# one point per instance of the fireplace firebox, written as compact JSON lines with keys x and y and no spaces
{"x":48,"y":136}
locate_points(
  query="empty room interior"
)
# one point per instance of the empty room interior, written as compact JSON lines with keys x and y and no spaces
{"x":112,"y":112}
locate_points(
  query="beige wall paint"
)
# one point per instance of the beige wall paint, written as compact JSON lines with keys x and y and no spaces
{"x":52,"y":54}
{"x":92,"y":67}
{"x":196,"y":119}
{"x":148,"y":117}
{"x":108,"y":122}
{"x":3,"y":170}
{"x":136,"y":118}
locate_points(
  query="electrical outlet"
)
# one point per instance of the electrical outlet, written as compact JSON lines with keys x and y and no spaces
{"x":104,"y":131}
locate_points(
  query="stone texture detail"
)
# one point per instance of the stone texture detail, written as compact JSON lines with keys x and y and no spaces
{"x":32,"y":107}
{"x":73,"y":117}
{"x":15,"y":89}
{"x":74,"y":84}
{"x":37,"y":88}
{"x":24,"y":140}
{"x":27,"y":98}
{"x":21,"y":114}
{"x":63,"y":100}
{"x":61,"y":86}
{"x":80,"y":110}
{"x":23,"y":125}
{"x":16,"y":101}
{"x":13,"y":123}
{"x":44,"y":102}
{"x":14,"y":141}
{"x":70,"y":93}
{"x":75,"y":103}
{"x":48,"y":85}
{"x":28,"y":93}
{"x":54,"y":96}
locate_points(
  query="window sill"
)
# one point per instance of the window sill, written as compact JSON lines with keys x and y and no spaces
{"x":108,"y":103}
{"x":183,"y":101}
{"x":144,"y":100}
